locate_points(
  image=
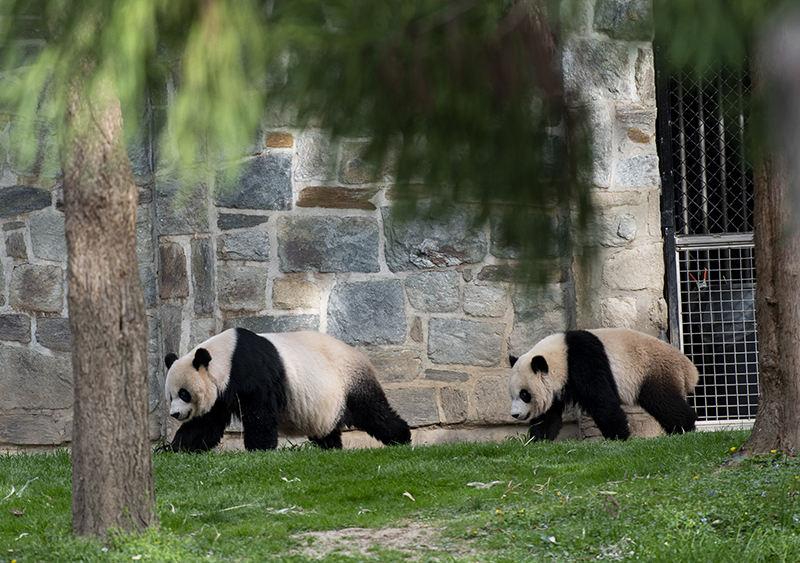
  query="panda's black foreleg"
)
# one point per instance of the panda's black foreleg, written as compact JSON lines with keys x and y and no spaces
{"x":368,"y":410}
{"x":609,"y":417}
{"x":668,"y":406}
{"x":202,"y":433}
{"x":548,"y":425}
{"x":331,"y":441}
{"x":259,"y":417}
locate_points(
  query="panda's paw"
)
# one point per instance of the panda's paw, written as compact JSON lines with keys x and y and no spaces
{"x":165,"y":447}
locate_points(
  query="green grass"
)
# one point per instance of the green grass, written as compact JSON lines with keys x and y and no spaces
{"x":663,"y":499}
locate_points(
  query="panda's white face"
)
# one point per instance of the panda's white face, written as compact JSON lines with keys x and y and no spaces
{"x":537,"y":377}
{"x":181,"y":406}
{"x":190,"y":390}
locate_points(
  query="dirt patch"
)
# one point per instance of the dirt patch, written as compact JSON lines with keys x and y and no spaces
{"x":412,"y":538}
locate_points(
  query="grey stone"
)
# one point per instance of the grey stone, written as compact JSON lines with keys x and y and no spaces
{"x":13,"y":225}
{"x":354,"y":169}
{"x":455,"y":404}
{"x":36,"y":429}
{"x":153,"y":334}
{"x":626,"y":20}
{"x":17,"y":200}
{"x":274,"y":323}
{"x":328,"y":244}
{"x":201,"y":330}
{"x":294,"y":294}
{"x":616,"y":230}
{"x":491,"y":399}
{"x":416,"y":406}
{"x":499,"y":247}
{"x":203,"y":275}
{"x":314,"y":160}
{"x":645,"y":75}
{"x":172,"y":278}
{"x":138,"y":148}
{"x":15,"y":327}
{"x":446,"y":375}
{"x":367,"y":313}
{"x":485,"y":301}
{"x":155,"y":378}
{"x":48,"y":237}
{"x":228,"y":221}
{"x":149,"y":286}
{"x":33,"y":151}
{"x":171,"y":316}
{"x":634,"y":269}
{"x":425,"y":242}
{"x":247,"y":245}
{"x":37,"y":288}
{"x":598,"y":118}
{"x":434,"y":292}
{"x":145,"y":248}
{"x":241,"y":288}
{"x":264,"y":183}
{"x":452,"y":341}
{"x":595,"y":70}
{"x":638,"y":114}
{"x":16,"y":247}
{"x":537,"y":314}
{"x":180,"y":210}
{"x":395,"y":365}
{"x":53,"y":333}
{"x":638,"y":171}
{"x":31,"y":380}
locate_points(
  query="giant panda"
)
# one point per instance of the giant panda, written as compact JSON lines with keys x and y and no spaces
{"x":601,"y":370}
{"x":295,"y":384}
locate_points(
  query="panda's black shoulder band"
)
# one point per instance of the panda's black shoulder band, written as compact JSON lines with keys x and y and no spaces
{"x":201,"y":358}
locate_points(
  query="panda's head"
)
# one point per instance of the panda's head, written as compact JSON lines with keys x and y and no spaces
{"x":537,"y":377}
{"x":190,"y":389}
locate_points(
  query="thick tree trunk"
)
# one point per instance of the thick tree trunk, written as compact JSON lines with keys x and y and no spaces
{"x":112,"y":482}
{"x":777,"y":251}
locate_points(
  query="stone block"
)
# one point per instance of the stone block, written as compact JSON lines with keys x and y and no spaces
{"x":491,"y":400}
{"x":635,"y":114}
{"x":434,"y":292}
{"x":241,"y":288}
{"x":180,"y":209}
{"x":314,"y":157}
{"x":354,"y":169}
{"x":537,"y":314}
{"x":614,"y":230}
{"x":48,"y":237}
{"x":337,"y":197}
{"x":328,"y":244}
{"x":173,"y":280}
{"x":452,"y":341}
{"x":395,"y":365}
{"x":595,"y":70}
{"x":36,"y":429}
{"x":485,"y":301}
{"x":294,"y":294}
{"x":18,"y":200}
{"x":149,"y":286}
{"x":33,"y":151}
{"x":203,"y":276}
{"x":635,"y":269}
{"x":645,"y":75}
{"x":425,"y":241}
{"x":618,"y":312}
{"x":171,"y":317}
{"x":280,"y":140}
{"x":228,"y":221}
{"x":638,"y":171}
{"x":246,"y":245}
{"x":263,"y":183}
{"x":16,"y":247}
{"x":446,"y":375}
{"x":53,"y":333}
{"x":31,"y":380}
{"x":15,"y":327}
{"x":145,"y":246}
{"x":599,"y":122}
{"x":156,"y":377}
{"x":367,"y":313}
{"x":37,"y":288}
{"x":274,"y":323}
{"x":201,"y":330}
{"x":416,"y":406}
{"x":626,"y":20}
{"x":455,"y":405}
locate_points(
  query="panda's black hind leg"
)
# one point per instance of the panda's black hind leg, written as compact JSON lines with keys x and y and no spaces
{"x":668,"y":406}
{"x":368,"y":410}
{"x":331,"y":441}
{"x":610,"y":418}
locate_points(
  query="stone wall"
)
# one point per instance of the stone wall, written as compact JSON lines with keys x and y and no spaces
{"x":305,"y":238}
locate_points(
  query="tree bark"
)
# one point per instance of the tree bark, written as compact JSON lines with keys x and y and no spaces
{"x":777,"y":249}
{"x":112,"y":481}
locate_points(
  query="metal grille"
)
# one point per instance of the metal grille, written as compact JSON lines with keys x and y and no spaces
{"x":717,"y":299}
{"x":712,"y":182}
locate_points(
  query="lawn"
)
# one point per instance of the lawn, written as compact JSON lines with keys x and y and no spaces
{"x":662,"y":499}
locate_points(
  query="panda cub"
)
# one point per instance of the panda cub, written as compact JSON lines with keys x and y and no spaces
{"x":601,"y":370}
{"x":295,"y":384}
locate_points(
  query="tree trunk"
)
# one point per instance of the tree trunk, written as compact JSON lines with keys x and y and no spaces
{"x":112,"y":480}
{"x":777,"y":251}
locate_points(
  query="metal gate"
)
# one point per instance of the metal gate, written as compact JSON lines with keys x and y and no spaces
{"x":707,"y":216}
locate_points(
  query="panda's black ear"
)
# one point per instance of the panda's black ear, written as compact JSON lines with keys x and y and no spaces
{"x":512,"y":360}
{"x":169,"y":359}
{"x":539,"y":365}
{"x":201,"y":358}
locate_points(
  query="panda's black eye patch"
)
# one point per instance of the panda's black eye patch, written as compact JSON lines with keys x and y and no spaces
{"x":185,"y":396}
{"x":525,"y":395}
